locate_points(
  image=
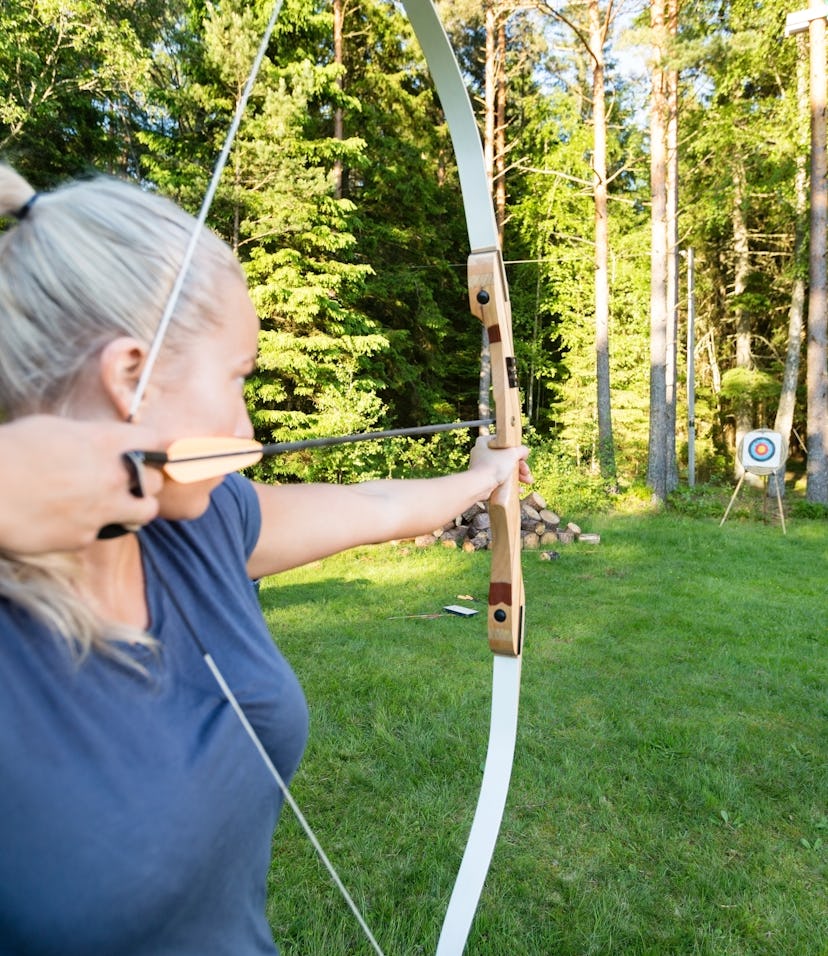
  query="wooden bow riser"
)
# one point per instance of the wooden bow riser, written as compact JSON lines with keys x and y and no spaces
{"x":489,"y":301}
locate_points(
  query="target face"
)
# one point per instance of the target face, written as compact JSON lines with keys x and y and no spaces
{"x":762,"y":451}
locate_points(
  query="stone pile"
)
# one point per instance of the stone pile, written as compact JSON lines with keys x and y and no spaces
{"x":539,"y":528}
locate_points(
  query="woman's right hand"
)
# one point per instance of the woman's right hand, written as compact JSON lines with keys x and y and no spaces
{"x":62,"y":480}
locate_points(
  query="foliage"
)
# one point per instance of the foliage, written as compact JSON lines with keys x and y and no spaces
{"x":550,"y":213}
{"x":570,"y":490}
{"x":809,"y":510}
{"x":707,"y":500}
{"x":354,"y":242}
{"x":739,"y":124}
{"x":409,"y":224}
{"x":389,"y":458}
{"x":75,"y":73}
{"x":754,"y":384}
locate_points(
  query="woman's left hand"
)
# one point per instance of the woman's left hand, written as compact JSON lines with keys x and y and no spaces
{"x":501,"y":461}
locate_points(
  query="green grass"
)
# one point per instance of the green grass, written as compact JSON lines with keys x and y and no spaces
{"x":670,"y":790}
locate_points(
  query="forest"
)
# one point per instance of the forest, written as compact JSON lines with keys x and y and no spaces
{"x":648,"y":162}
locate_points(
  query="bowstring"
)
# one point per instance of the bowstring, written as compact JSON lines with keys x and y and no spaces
{"x":256,"y":740}
{"x":289,"y":799}
{"x":206,"y":203}
{"x":140,"y":390}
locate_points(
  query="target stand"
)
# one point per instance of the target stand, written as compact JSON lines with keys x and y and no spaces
{"x":761,"y":452}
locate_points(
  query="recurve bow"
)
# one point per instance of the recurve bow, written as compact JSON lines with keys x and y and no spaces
{"x":489,"y":301}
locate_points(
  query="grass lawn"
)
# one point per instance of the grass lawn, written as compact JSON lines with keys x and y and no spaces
{"x":670,"y":789}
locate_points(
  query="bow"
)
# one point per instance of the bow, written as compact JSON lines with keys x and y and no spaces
{"x":489,"y":301}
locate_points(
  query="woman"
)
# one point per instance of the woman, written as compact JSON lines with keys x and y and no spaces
{"x":135,"y":816}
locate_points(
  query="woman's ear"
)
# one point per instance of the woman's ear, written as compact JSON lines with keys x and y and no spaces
{"x":121,"y":362}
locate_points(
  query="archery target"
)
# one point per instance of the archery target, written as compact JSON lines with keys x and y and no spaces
{"x":762,"y":452}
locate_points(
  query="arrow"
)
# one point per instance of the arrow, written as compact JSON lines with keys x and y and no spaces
{"x":196,"y":459}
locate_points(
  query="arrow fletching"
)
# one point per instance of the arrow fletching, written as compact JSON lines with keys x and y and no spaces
{"x":197,"y":459}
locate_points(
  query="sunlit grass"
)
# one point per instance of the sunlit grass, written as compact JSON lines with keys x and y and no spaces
{"x":670,"y":791}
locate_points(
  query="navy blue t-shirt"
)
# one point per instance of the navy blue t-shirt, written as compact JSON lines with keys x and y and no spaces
{"x":135,"y":814}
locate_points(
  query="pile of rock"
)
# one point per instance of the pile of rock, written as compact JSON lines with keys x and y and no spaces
{"x":539,"y":528}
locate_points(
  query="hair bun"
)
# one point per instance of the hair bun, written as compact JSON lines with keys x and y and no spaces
{"x":16,"y":195}
{"x":26,"y":208}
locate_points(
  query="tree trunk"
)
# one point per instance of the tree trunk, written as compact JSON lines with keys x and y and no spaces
{"x":338,"y":118}
{"x":606,"y":446}
{"x":499,"y":158}
{"x":787,"y":398}
{"x":671,"y":370}
{"x":489,"y":126}
{"x":817,"y":374}
{"x":656,"y":457}
{"x":744,"y":356}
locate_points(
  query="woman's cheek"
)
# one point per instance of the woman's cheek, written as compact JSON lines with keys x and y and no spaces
{"x":183,"y":502}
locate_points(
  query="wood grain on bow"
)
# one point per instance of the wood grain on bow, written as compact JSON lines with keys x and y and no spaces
{"x":489,"y":301}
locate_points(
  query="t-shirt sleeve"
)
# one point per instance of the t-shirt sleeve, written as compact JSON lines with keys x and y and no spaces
{"x":236,"y":500}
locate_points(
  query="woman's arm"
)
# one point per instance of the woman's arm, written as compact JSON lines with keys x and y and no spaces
{"x":301,"y":523}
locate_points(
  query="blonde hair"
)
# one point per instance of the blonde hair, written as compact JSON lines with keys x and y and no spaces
{"x":93,"y":260}
{"x":89,"y":262}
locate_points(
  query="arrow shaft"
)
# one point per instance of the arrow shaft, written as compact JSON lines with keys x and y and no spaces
{"x":160,"y":458}
{"x":280,"y":448}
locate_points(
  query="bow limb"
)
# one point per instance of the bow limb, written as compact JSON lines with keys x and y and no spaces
{"x":489,"y":301}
